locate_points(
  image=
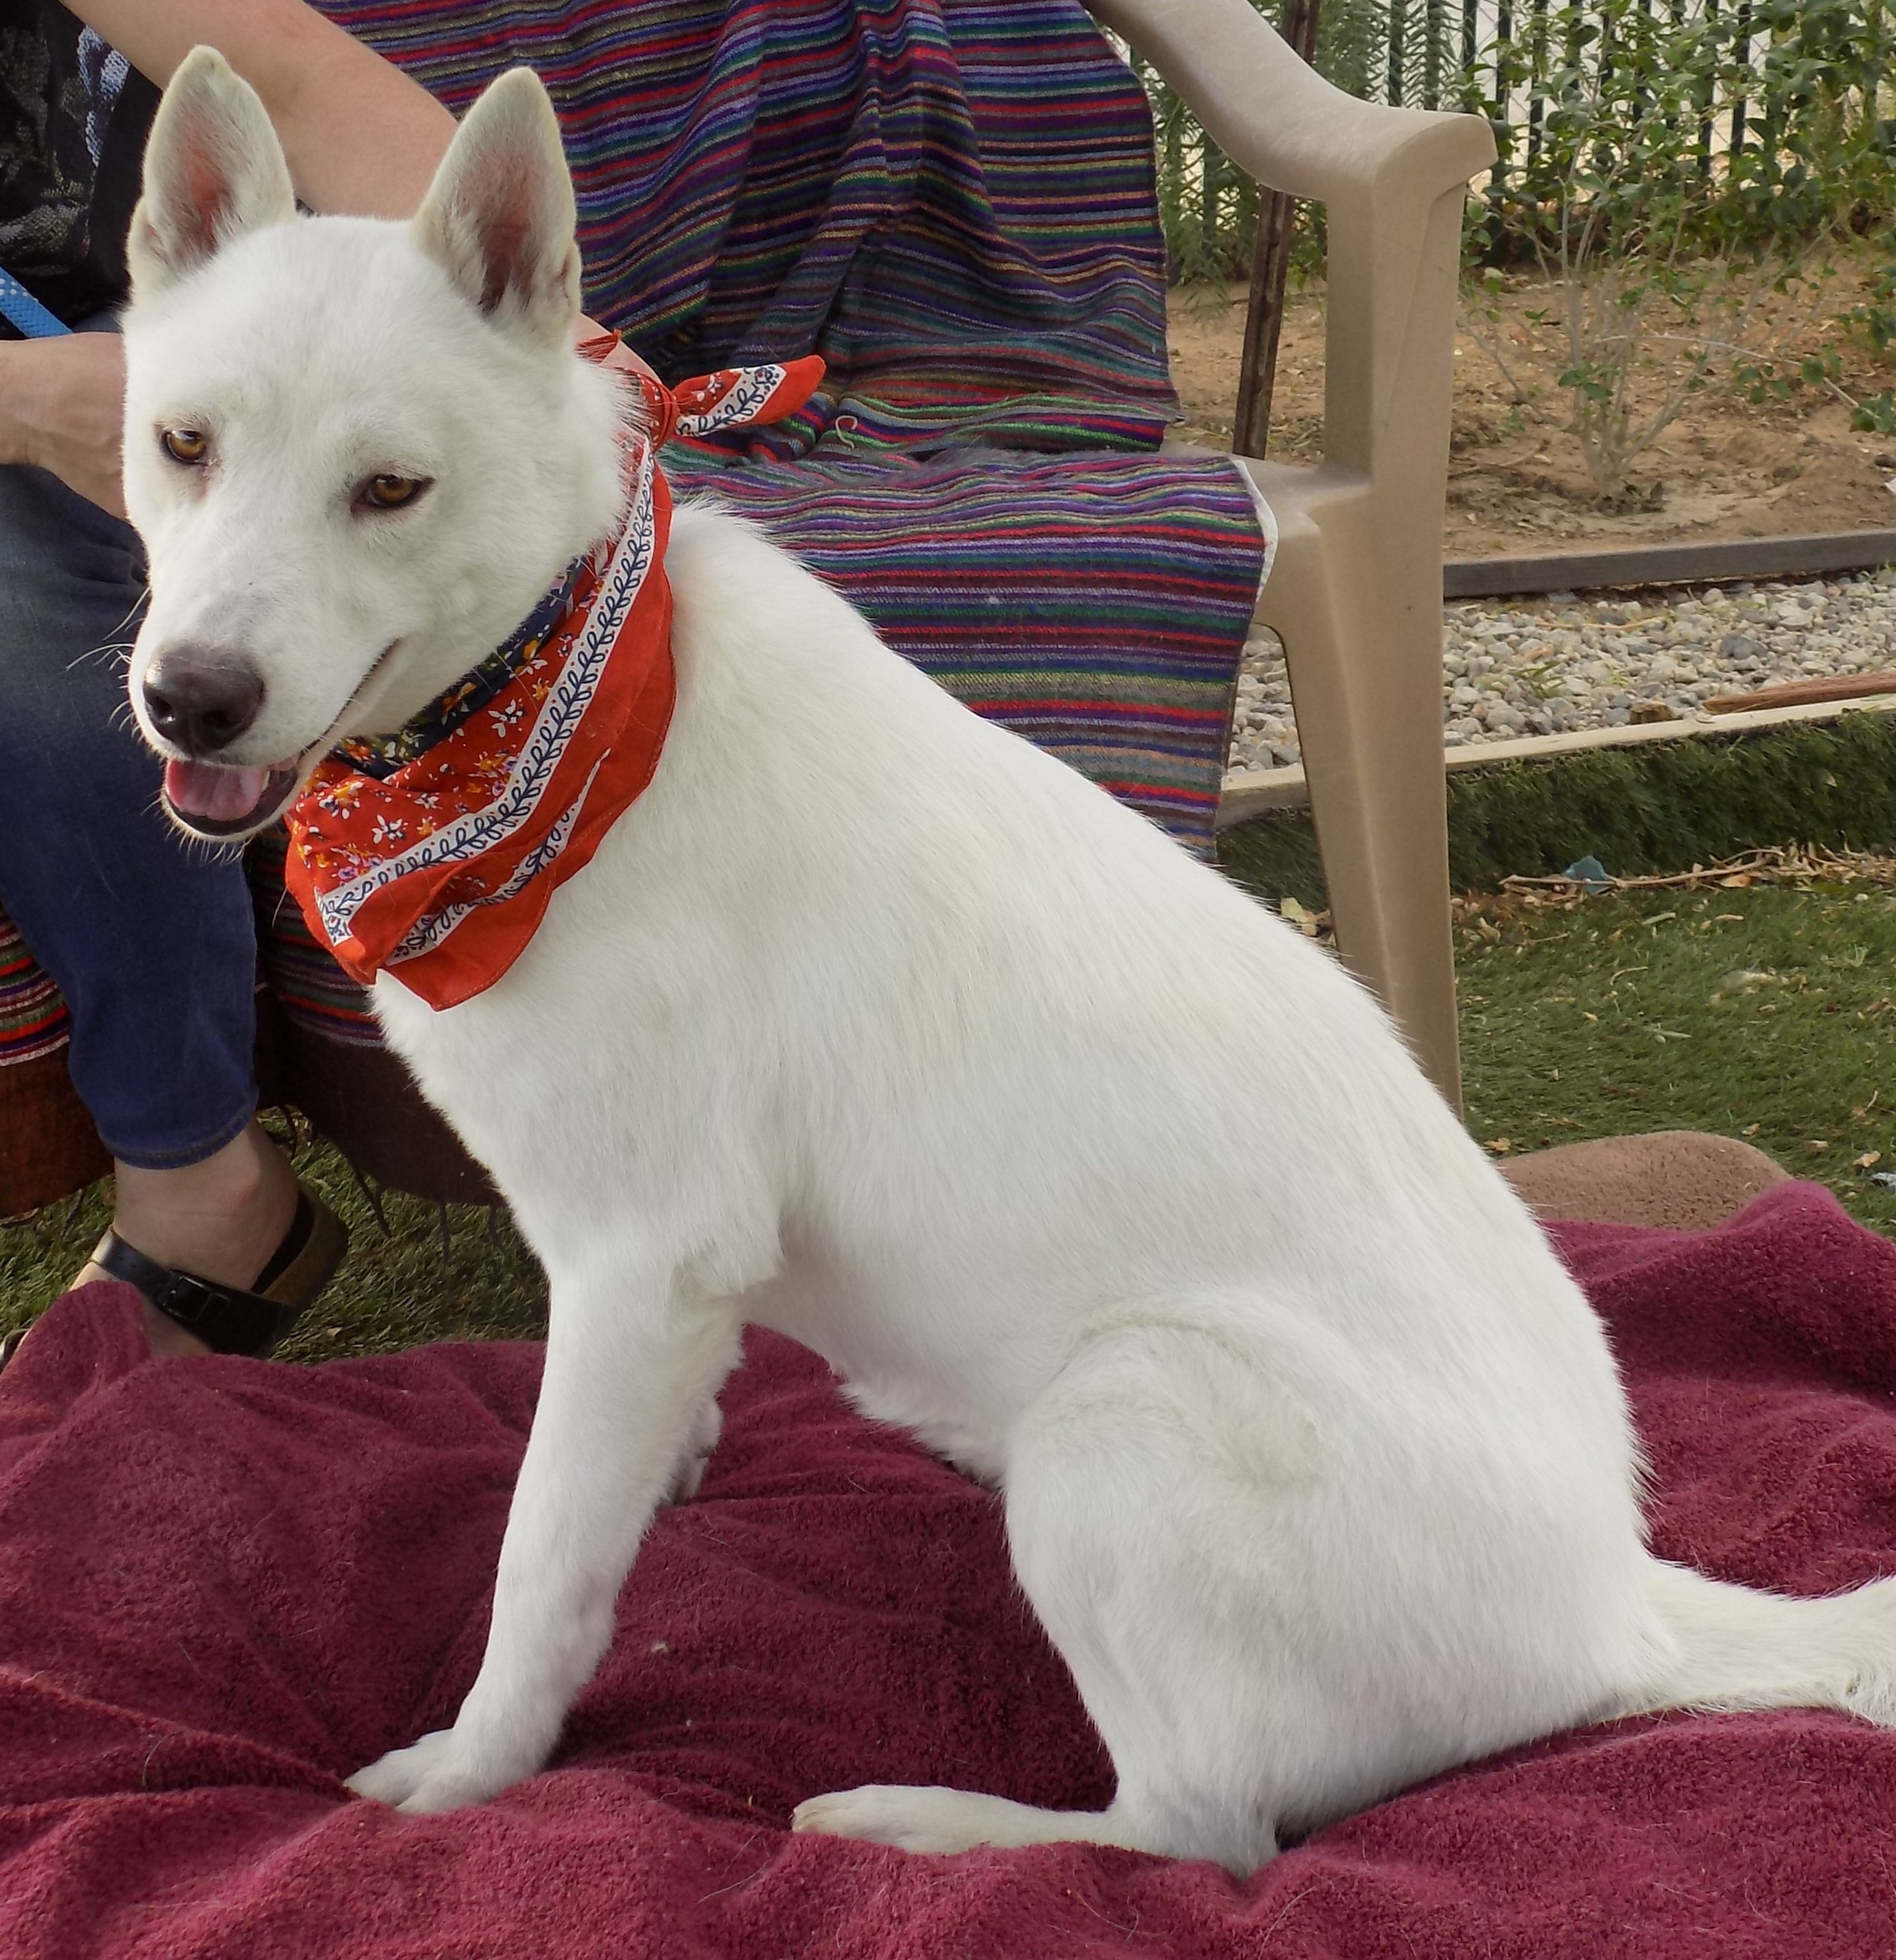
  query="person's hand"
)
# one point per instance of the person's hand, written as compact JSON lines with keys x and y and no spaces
{"x":62,"y":406}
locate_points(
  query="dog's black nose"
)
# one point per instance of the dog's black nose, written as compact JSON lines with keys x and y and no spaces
{"x":200,"y":700}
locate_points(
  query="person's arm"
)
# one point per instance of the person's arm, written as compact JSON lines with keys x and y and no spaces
{"x":360,"y":136}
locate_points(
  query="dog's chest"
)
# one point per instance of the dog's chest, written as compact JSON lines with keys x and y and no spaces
{"x":581,"y":1136}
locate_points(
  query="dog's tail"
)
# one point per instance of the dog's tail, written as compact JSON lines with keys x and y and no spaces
{"x":1735,"y":1648}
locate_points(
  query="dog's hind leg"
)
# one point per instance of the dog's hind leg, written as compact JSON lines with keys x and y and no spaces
{"x":630,"y":1364}
{"x":1145,"y":1492}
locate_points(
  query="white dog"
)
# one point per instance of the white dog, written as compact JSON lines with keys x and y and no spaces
{"x":870,"y":1023}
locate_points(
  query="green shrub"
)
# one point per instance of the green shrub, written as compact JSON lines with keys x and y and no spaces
{"x":1753,"y":125}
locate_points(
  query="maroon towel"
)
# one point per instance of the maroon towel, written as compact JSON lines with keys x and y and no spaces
{"x":226,"y":1584}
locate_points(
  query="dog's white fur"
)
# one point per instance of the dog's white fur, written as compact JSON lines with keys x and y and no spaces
{"x":870,"y":1023}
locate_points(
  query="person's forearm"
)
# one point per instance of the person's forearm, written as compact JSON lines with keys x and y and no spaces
{"x":361,"y":137}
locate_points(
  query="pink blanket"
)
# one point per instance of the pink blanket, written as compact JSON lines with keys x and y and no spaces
{"x":225,"y":1584}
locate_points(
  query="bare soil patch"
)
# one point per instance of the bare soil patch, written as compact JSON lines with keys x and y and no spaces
{"x":1517,"y":481}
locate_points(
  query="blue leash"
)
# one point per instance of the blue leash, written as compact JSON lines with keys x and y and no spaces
{"x":27,"y":314}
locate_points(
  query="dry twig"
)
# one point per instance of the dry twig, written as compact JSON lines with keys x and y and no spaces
{"x":1775,"y":864}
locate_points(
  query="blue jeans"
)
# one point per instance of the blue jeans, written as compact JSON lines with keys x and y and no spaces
{"x":150,"y":937}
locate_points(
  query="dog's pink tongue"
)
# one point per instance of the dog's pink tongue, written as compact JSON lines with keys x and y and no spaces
{"x":202,"y":789}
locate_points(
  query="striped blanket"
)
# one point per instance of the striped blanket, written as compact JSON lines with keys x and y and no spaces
{"x":952,"y":201}
{"x":1096,"y":605}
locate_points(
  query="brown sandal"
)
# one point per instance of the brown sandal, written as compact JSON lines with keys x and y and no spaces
{"x":226,"y":1319}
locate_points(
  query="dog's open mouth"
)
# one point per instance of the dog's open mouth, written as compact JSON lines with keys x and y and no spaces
{"x":215,"y":801}
{"x":212,"y":799}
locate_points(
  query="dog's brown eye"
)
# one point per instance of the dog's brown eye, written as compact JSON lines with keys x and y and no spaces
{"x":186,"y":445}
{"x":390,"y":492}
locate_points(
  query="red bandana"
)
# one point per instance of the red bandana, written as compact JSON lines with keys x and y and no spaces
{"x":432,"y":854}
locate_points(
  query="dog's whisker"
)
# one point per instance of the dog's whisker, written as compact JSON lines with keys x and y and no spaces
{"x":144,"y":593}
{"x":201,"y":849}
{"x":110,"y":649}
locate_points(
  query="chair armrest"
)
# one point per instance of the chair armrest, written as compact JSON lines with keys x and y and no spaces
{"x":1391,"y":180}
{"x":1280,"y":121}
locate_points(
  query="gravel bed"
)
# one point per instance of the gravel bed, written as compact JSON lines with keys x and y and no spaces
{"x":1542,"y":666}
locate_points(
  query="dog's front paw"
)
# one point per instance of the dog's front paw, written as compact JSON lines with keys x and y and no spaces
{"x":435,"y":1774}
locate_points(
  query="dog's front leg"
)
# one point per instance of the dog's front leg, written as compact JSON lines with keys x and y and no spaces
{"x":631,"y":1359}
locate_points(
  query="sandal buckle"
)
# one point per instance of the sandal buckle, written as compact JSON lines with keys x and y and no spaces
{"x":189,"y":1300}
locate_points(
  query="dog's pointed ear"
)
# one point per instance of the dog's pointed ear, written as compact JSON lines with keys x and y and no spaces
{"x":213,"y":168}
{"x":500,"y":215}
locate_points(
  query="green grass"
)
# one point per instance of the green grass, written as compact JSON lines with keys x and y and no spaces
{"x":1767,"y":1011}
{"x":1716,"y":1010}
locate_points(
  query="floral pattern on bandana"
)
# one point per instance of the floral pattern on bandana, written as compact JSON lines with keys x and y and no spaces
{"x":432,"y":854}
{"x":381,"y":755}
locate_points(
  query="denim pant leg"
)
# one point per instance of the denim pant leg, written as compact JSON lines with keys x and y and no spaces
{"x":149,"y":937}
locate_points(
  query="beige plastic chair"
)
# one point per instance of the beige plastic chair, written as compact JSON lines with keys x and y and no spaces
{"x":1356,"y":593}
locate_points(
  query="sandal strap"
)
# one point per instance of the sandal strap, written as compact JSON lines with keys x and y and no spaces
{"x":226,"y":1319}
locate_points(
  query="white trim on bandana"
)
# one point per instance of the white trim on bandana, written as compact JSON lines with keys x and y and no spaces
{"x":479,"y":830}
{"x":754,"y":388}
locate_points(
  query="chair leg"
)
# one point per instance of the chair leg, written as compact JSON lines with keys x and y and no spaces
{"x":1370,"y":730}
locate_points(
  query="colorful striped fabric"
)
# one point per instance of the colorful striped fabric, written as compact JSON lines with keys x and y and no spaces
{"x":952,"y":201}
{"x":1092,"y":604}
{"x":33,"y":1018}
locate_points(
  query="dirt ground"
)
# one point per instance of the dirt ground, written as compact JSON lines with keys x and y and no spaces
{"x":1517,"y":480}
